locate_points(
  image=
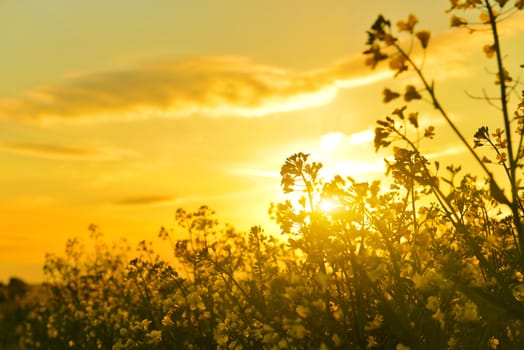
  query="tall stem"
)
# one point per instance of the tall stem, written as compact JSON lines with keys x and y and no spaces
{"x":503,"y":93}
{"x":438,"y":106}
{"x":515,"y":201}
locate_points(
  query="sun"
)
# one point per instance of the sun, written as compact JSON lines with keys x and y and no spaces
{"x":327,"y":205}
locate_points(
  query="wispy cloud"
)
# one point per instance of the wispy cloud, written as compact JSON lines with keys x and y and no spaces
{"x":336,"y":140}
{"x":208,"y":85}
{"x":190,"y":199}
{"x":254,"y":172}
{"x":62,"y":152}
{"x":222,"y":85}
{"x":448,"y":151}
{"x":144,"y":200}
{"x":450,"y":53}
{"x":362,"y":137}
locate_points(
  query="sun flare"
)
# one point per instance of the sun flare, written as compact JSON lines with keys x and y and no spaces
{"x":327,"y":205}
{"x":331,"y":140}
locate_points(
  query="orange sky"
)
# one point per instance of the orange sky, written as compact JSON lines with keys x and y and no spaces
{"x":117,"y":113}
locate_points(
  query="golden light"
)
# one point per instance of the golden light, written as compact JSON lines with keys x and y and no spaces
{"x":331,"y":140}
{"x":327,"y":205}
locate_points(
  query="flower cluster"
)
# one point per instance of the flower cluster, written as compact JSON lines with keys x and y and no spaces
{"x":433,"y":260}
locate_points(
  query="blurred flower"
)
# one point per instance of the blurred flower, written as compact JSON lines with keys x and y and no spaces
{"x":423,"y":36}
{"x":458,"y":21}
{"x":411,"y":94}
{"x":389,"y":95}
{"x":408,"y":25}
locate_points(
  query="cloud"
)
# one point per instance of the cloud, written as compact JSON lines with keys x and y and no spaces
{"x":450,"y":53}
{"x":448,"y":151}
{"x":224,"y":85}
{"x":255,"y":172}
{"x":331,"y":140}
{"x":213,"y":86}
{"x":144,"y":200}
{"x":335,"y":140}
{"x":362,"y":137}
{"x":190,"y":199}
{"x":61,"y":152}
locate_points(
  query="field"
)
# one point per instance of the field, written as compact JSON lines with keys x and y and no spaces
{"x":429,"y":257}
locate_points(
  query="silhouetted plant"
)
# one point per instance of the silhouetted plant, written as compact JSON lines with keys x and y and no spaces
{"x":434,"y":260}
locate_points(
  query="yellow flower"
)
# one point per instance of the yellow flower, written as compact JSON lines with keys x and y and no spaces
{"x":166,"y":321}
{"x":298,"y":331}
{"x":411,"y":94}
{"x":484,"y":17}
{"x":302,"y":311}
{"x":145,"y":324}
{"x":458,"y":21}
{"x":489,"y":50}
{"x":372,"y":342}
{"x":336,"y":339}
{"x":433,"y":303}
{"x":413,"y":119}
{"x":389,"y":95}
{"x":323,"y":347}
{"x":408,"y":25}
{"x":423,"y":36}
{"x":398,"y":63}
{"x":493,"y":343}
{"x":155,"y":336}
{"x":470,"y":312}
{"x":195,"y":302}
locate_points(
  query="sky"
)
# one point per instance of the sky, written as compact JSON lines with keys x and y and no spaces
{"x":116,"y":113}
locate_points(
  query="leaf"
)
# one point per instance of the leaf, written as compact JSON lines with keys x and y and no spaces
{"x":423,"y":36}
{"x":497,"y":193}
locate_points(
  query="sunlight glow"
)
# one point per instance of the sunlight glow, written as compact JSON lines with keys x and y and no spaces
{"x":331,"y":140}
{"x":361,"y":137}
{"x":359,"y":170}
{"x":327,"y":205}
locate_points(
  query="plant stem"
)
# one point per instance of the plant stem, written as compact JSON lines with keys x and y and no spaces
{"x":515,"y":204}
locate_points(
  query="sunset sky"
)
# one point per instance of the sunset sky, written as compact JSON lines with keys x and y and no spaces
{"x":119,"y":112}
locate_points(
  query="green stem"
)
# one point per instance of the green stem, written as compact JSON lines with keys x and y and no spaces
{"x":503,"y":95}
{"x":515,"y":204}
{"x":437,"y":105}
